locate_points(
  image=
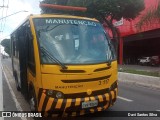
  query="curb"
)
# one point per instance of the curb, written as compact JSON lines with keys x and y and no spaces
{"x":148,"y":81}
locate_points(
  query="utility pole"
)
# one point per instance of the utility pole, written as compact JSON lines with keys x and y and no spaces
{"x":4,"y":6}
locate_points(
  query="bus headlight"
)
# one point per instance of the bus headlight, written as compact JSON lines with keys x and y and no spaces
{"x":54,"y":94}
{"x":59,"y":95}
{"x":50,"y":92}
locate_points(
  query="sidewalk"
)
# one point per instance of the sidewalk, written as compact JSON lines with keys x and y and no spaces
{"x":148,"y":81}
{"x":140,"y":68}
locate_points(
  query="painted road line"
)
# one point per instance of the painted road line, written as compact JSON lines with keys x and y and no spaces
{"x":13,"y":95}
{"x":1,"y":89}
{"x":125,"y":99}
{"x":158,"y":110}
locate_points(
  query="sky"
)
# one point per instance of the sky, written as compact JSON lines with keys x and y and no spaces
{"x":8,"y":25}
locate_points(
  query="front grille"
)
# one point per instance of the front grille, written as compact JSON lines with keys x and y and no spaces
{"x":86,"y":80}
{"x":102,"y":69}
{"x":72,"y":71}
{"x":84,"y":94}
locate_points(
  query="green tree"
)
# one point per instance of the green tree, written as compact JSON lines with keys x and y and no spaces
{"x":6,"y":43}
{"x":152,"y":14}
{"x":104,"y":10}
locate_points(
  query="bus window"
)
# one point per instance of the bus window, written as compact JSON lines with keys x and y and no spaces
{"x":70,"y":43}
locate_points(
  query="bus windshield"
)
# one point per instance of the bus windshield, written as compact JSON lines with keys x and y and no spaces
{"x":72,"y":41}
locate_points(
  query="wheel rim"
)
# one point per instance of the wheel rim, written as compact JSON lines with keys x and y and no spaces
{"x":17,"y":86}
{"x":32,"y":104}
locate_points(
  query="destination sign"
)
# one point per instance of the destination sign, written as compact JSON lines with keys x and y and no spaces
{"x":70,"y":21}
{"x":65,"y":21}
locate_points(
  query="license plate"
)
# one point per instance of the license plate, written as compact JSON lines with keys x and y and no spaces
{"x":89,"y":104}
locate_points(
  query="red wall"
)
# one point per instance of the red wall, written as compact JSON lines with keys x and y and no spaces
{"x":129,"y":27}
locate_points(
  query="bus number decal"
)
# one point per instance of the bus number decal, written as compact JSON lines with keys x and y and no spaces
{"x":102,"y":82}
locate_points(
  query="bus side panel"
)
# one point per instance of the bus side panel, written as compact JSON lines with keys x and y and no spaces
{"x":15,"y":57}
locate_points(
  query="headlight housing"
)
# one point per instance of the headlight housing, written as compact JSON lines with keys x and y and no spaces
{"x":59,"y":95}
{"x":54,"y":94}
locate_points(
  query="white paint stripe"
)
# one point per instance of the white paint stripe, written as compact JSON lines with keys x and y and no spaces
{"x":1,"y":89}
{"x":13,"y":96}
{"x":158,"y":110}
{"x":125,"y":99}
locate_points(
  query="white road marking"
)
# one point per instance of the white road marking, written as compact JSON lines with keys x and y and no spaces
{"x":1,"y":89}
{"x":13,"y":96}
{"x":158,"y":110}
{"x":125,"y":99}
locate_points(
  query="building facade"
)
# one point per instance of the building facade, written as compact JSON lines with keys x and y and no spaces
{"x":135,"y":42}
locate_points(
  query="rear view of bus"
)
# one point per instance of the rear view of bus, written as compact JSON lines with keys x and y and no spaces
{"x":73,"y":70}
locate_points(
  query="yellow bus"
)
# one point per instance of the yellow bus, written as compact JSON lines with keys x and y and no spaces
{"x":64,"y":65}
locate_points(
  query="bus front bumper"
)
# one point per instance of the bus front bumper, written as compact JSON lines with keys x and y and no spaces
{"x":53,"y":107}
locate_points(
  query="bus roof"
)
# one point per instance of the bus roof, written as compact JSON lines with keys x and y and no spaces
{"x":54,"y":16}
{"x":61,"y":16}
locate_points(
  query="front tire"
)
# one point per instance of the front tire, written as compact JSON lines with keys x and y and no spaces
{"x":16,"y":81}
{"x":32,"y":100}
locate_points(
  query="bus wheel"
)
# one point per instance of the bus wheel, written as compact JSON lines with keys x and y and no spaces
{"x":16,"y":81}
{"x":32,"y":100}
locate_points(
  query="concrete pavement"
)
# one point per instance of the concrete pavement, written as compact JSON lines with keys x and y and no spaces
{"x":1,"y":89}
{"x":148,"y":81}
{"x":8,"y":101}
{"x":140,"y":68}
{"x":17,"y":101}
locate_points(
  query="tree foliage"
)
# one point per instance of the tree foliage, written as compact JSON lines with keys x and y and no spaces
{"x":117,"y":9}
{"x":104,"y":10}
{"x":129,"y":9}
{"x":7,"y":46}
{"x":151,"y":14}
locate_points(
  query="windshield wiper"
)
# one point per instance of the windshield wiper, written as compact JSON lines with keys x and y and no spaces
{"x":111,"y":48}
{"x":46,"y":52}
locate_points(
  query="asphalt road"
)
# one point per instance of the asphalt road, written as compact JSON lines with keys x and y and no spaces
{"x":8,"y":102}
{"x":130,"y":98}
